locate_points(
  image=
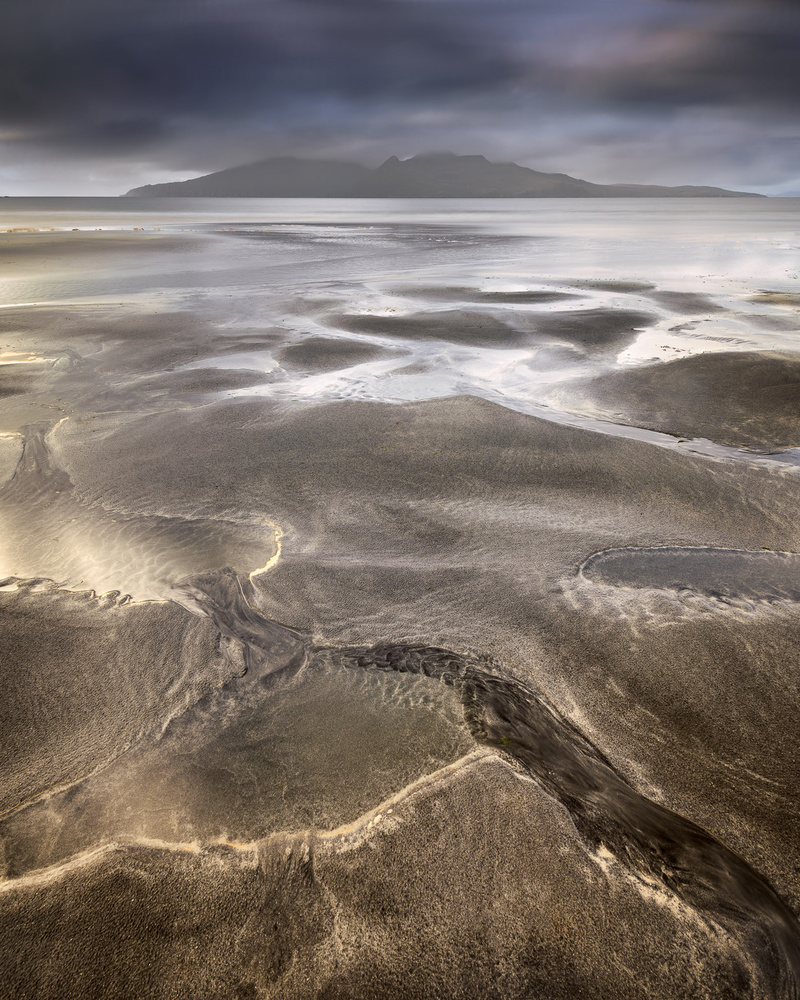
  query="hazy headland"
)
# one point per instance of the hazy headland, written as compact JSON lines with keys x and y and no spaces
{"x":432,"y":175}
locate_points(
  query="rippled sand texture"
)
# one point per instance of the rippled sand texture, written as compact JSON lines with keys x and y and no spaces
{"x":400,"y":602}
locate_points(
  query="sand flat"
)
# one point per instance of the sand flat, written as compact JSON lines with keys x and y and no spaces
{"x":337,"y":664}
{"x":744,"y":398}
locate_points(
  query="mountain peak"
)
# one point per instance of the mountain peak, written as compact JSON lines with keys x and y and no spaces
{"x":446,"y":157}
{"x":427,"y":175}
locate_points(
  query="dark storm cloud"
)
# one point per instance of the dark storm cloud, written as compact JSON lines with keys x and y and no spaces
{"x":728,"y":53}
{"x":196,"y":84}
{"x":110,"y":137}
{"x":87,"y":61}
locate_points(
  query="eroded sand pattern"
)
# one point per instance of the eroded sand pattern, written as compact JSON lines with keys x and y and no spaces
{"x":406,"y":611}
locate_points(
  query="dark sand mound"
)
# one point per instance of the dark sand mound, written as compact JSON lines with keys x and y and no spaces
{"x":742,"y":398}
{"x":327,"y":354}
{"x":588,"y":329}
{"x":594,"y":329}
{"x":456,"y":326}
{"x":685,"y":303}
{"x":442,"y":294}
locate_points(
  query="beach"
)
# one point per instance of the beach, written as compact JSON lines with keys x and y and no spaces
{"x":399,"y":599}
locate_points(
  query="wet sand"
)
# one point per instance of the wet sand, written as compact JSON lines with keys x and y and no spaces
{"x":326,"y":679}
{"x":591,"y":329}
{"x":746,"y":399}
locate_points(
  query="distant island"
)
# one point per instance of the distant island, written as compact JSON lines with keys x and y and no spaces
{"x":433,"y":175}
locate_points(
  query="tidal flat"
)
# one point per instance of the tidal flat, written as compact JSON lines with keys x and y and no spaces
{"x":399,"y":599}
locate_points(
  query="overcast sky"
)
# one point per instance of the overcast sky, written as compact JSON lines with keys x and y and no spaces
{"x":97,"y":96}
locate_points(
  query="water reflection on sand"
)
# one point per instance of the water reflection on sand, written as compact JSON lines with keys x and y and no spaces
{"x":400,"y":592}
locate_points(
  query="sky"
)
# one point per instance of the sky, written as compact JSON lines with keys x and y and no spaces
{"x":97,"y":96}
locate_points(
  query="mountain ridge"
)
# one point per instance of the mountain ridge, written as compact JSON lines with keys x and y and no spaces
{"x":428,"y":175}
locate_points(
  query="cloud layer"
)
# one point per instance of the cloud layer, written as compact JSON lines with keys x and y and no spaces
{"x":118,"y":92}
